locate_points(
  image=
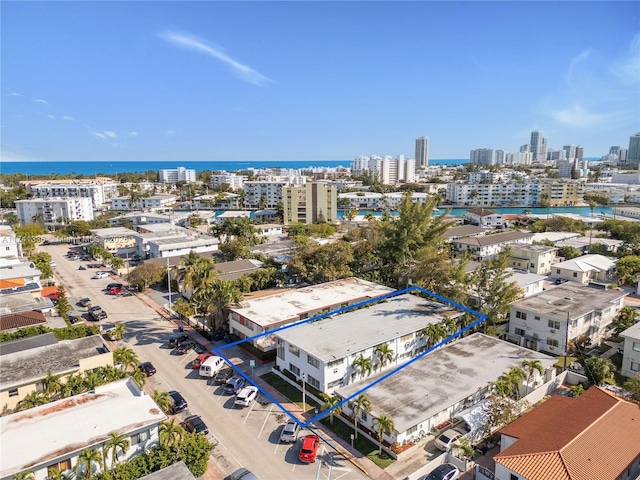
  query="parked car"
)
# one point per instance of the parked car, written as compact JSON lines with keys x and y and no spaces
{"x":309,"y":448}
{"x":243,"y":474}
{"x":54,"y":296}
{"x":200,"y":359}
{"x":147,"y":368}
{"x":52,"y":263}
{"x":246,"y":396}
{"x":95,"y":265}
{"x":99,"y":275}
{"x":446,"y":439}
{"x":177,"y":340}
{"x":211,"y":366}
{"x":195,"y":424}
{"x":290,"y":431}
{"x":446,"y":471}
{"x":223,"y":376}
{"x":114,"y":285}
{"x":179,"y":403}
{"x":233,"y":385}
{"x":114,"y":291}
{"x":74,"y":257}
{"x":185,"y":347}
{"x":96,"y":313}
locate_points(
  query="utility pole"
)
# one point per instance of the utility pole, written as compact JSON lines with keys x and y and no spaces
{"x":304,"y":393}
{"x":566,"y":343}
{"x":169,"y":284}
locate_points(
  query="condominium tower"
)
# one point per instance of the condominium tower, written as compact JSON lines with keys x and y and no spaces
{"x":422,"y":152}
{"x":538,"y":146}
{"x":633,"y":155}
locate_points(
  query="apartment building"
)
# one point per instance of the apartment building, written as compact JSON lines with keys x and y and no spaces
{"x":117,"y":240}
{"x":533,"y":258}
{"x":224,"y":200}
{"x":493,"y":194}
{"x":586,"y":269}
{"x":264,"y":193}
{"x":551,"y":319}
{"x":99,"y":191}
{"x":235,"y":182}
{"x":386,"y":169}
{"x":631,"y":351}
{"x":487,"y":246}
{"x":483,"y":217}
{"x":175,"y":175}
{"x":53,"y":211}
{"x":152,"y":202}
{"x":309,"y":203}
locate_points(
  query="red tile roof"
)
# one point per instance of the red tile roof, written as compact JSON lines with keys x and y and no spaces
{"x":593,"y":436}
{"x":22,"y":319}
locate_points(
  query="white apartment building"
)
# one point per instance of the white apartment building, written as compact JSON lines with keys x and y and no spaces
{"x":264,"y":193}
{"x":631,"y":351}
{"x":223,"y":200}
{"x":484,"y":156}
{"x":518,"y":158}
{"x":52,"y":436}
{"x":547,"y":321}
{"x":54,"y":211}
{"x":487,"y":246}
{"x":492,"y":194}
{"x":388,"y":170}
{"x":323,"y":351}
{"x":175,"y":175}
{"x":235,"y":182}
{"x":393,"y":199}
{"x":363,"y":200}
{"x":483,"y":217}
{"x":166,"y":240}
{"x":259,"y":315}
{"x":99,"y":193}
{"x":153,"y":202}
{"x":586,"y":269}
{"x":488,"y":176}
{"x":10,"y":244}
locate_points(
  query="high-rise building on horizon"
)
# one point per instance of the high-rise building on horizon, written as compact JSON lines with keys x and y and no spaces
{"x":484,"y":156}
{"x":633,"y":154}
{"x":422,"y":152}
{"x":538,"y":146}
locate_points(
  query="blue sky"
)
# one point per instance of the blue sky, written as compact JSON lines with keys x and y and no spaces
{"x":143,"y":81}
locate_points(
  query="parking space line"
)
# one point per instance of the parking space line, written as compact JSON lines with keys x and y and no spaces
{"x":249,"y":412}
{"x":265,"y":420}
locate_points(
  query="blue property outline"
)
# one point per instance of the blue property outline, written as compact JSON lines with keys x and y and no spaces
{"x":481,"y":318}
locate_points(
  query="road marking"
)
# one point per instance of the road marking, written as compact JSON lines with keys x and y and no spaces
{"x":249,"y":412}
{"x":265,"y":420}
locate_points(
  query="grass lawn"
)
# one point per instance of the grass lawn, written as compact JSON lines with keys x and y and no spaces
{"x":560,"y":362}
{"x":362,"y":444}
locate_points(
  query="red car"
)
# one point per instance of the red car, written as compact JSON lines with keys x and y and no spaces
{"x":309,"y":448}
{"x":200,"y":359}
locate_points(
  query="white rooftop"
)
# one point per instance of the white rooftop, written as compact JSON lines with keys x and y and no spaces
{"x":586,"y":263}
{"x":43,"y":433}
{"x":351,"y":332}
{"x":632,"y":332}
{"x":289,"y":304}
{"x":112,"y":231}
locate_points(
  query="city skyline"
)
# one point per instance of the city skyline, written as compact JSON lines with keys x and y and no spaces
{"x":207,"y":81}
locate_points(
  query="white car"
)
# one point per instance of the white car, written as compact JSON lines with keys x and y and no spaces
{"x":290,"y":431}
{"x":100,"y":275}
{"x":446,"y":439}
{"x":246,"y":396}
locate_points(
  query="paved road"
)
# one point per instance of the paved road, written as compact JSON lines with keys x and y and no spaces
{"x":246,"y":437}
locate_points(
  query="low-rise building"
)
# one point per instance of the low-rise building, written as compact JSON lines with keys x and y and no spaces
{"x":18,"y":275}
{"x":586,"y":269}
{"x":52,"y":436}
{"x":568,"y":438}
{"x":462,"y":231}
{"x":235,"y":182}
{"x":551,"y":319}
{"x":584,"y":243}
{"x":24,"y":363}
{"x":54,"y":212}
{"x":152,"y":202}
{"x":533,"y":258}
{"x":324,"y":351}
{"x":631,"y":351}
{"x":487,"y":246}
{"x":144,"y":218}
{"x":436,"y":387}
{"x":259,"y":315}
{"x":117,"y":240}
{"x":264,"y":193}
{"x":166,"y":240}
{"x":269,"y":229}
{"x":483,"y":217}
{"x":175,"y":175}
{"x":223,"y":200}
{"x":10,"y":243}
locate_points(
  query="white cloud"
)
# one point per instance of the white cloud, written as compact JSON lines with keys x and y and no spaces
{"x":170,"y":132}
{"x":133,"y":134}
{"x":577,"y":116}
{"x":16,"y":94}
{"x":97,"y":134}
{"x":575,"y":62}
{"x":67,"y":117}
{"x":628,"y":69}
{"x":103,"y":135}
{"x":110,"y":133}
{"x":245,"y":72}
{"x":39,"y":100}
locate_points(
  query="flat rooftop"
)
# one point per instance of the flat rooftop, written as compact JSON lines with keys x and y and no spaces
{"x":40,"y":434}
{"x":62,"y":357}
{"x":571,"y":298}
{"x":289,"y":304}
{"x":442,"y":378}
{"x":342,"y":335}
{"x":113,"y":231}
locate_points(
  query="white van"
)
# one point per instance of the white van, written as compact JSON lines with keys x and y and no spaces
{"x":211,"y":366}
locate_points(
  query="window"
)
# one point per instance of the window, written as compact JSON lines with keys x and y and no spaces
{"x":363,"y":416}
{"x":558,"y":271}
{"x":521,"y":315}
{"x":313,"y":361}
{"x":536,"y":317}
{"x":304,"y":316}
{"x":406,"y":338}
{"x":552,"y":341}
{"x":635,"y":366}
{"x":514,"y":477}
{"x":313,"y":382}
{"x":575,"y":274}
{"x":59,"y":467}
{"x":519,"y":331}
{"x":636,"y":346}
{"x":293,"y":369}
{"x":554,"y":324}
{"x":139,"y":437}
{"x":249,"y":325}
{"x":294,"y":350}
{"x":13,"y":392}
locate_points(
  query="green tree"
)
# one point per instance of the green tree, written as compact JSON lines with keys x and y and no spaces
{"x":171,"y":434}
{"x":363,"y":365}
{"x":52,"y":386}
{"x":194,"y":452}
{"x":217,"y":298}
{"x":530,"y":367}
{"x":569,"y":252}
{"x":87,"y":459}
{"x":26,"y":475}
{"x":625,"y":319}
{"x":384,"y":354}
{"x":330,"y":402}
{"x":599,"y":370}
{"x":118,"y":332}
{"x":500,"y":411}
{"x":434,"y":333}
{"x":577,"y":390}
{"x":464,"y":449}
{"x":183,"y":307}
{"x":117,"y":442}
{"x":321,"y":263}
{"x":126,"y":358}
{"x":41,"y":261}
{"x":145,"y":275}
{"x":362,"y":403}
{"x":633,"y":386}
{"x":33,"y":399}
{"x":163,"y":399}
{"x":383,"y":424}
{"x":628,"y":268}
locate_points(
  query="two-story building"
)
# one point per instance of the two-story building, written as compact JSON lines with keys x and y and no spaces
{"x":484,"y":217}
{"x":533,"y":258}
{"x":586,"y":269}
{"x":487,"y":246}
{"x":551,"y":319}
{"x":259,"y":315}
{"x":631,"y":351}
{"x":117,"y":240}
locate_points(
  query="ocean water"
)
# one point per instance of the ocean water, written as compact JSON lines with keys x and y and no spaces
{"x":91,"y":169}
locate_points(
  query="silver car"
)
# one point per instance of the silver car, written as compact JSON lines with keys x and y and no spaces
{"x":243,"y":474}
{"x":290,"y":431}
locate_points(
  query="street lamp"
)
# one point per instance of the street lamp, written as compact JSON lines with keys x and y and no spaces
{"x":304,"y":393}
{"x":169,"y":283}
{"x":352,"y":437}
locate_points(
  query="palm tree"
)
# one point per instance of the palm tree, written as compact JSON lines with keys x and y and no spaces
{"x":330,"y":401}
{"x":170,"y":434}
{"x":362,"y":403}
{"x":515,"y":376}
{"x":56,"y":474}
{"x":118,"y":332}
{"x":531,"y":366}
{"x":362,"y":365}
{"x":503,"y":386}
{"x":86,"y":461}
{"x":449,"y":326}
{"x":51,"y":385}
{"x":383,"y":424}
{"x":222,"y":295}
{"x":138,"y":376}
{"x":434,"y":333}
{"x":117,"y":441}
{"x":34,"y":399}
{"x":163,"y":399}
{"x":26,"y":475}
{"x":125,"y":357}
{"x":384,"y":354}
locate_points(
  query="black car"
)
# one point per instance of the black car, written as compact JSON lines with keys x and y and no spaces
{"x":184,"y":347}
{"x":147,"y":368}
{"x":223,"y":376}
{"x":179,"y":403}
{"x":195,"y":424}
{"x":114,"y":285}
{"x":84,"y":302}
{"x":177,"y":340}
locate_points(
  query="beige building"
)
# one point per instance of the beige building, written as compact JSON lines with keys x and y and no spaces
{"x":309,"y":203}
{"x":562,"y":193}
{"x":24,"y":363}
{"x":117,"y":240}
{"x":533,"y":258}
